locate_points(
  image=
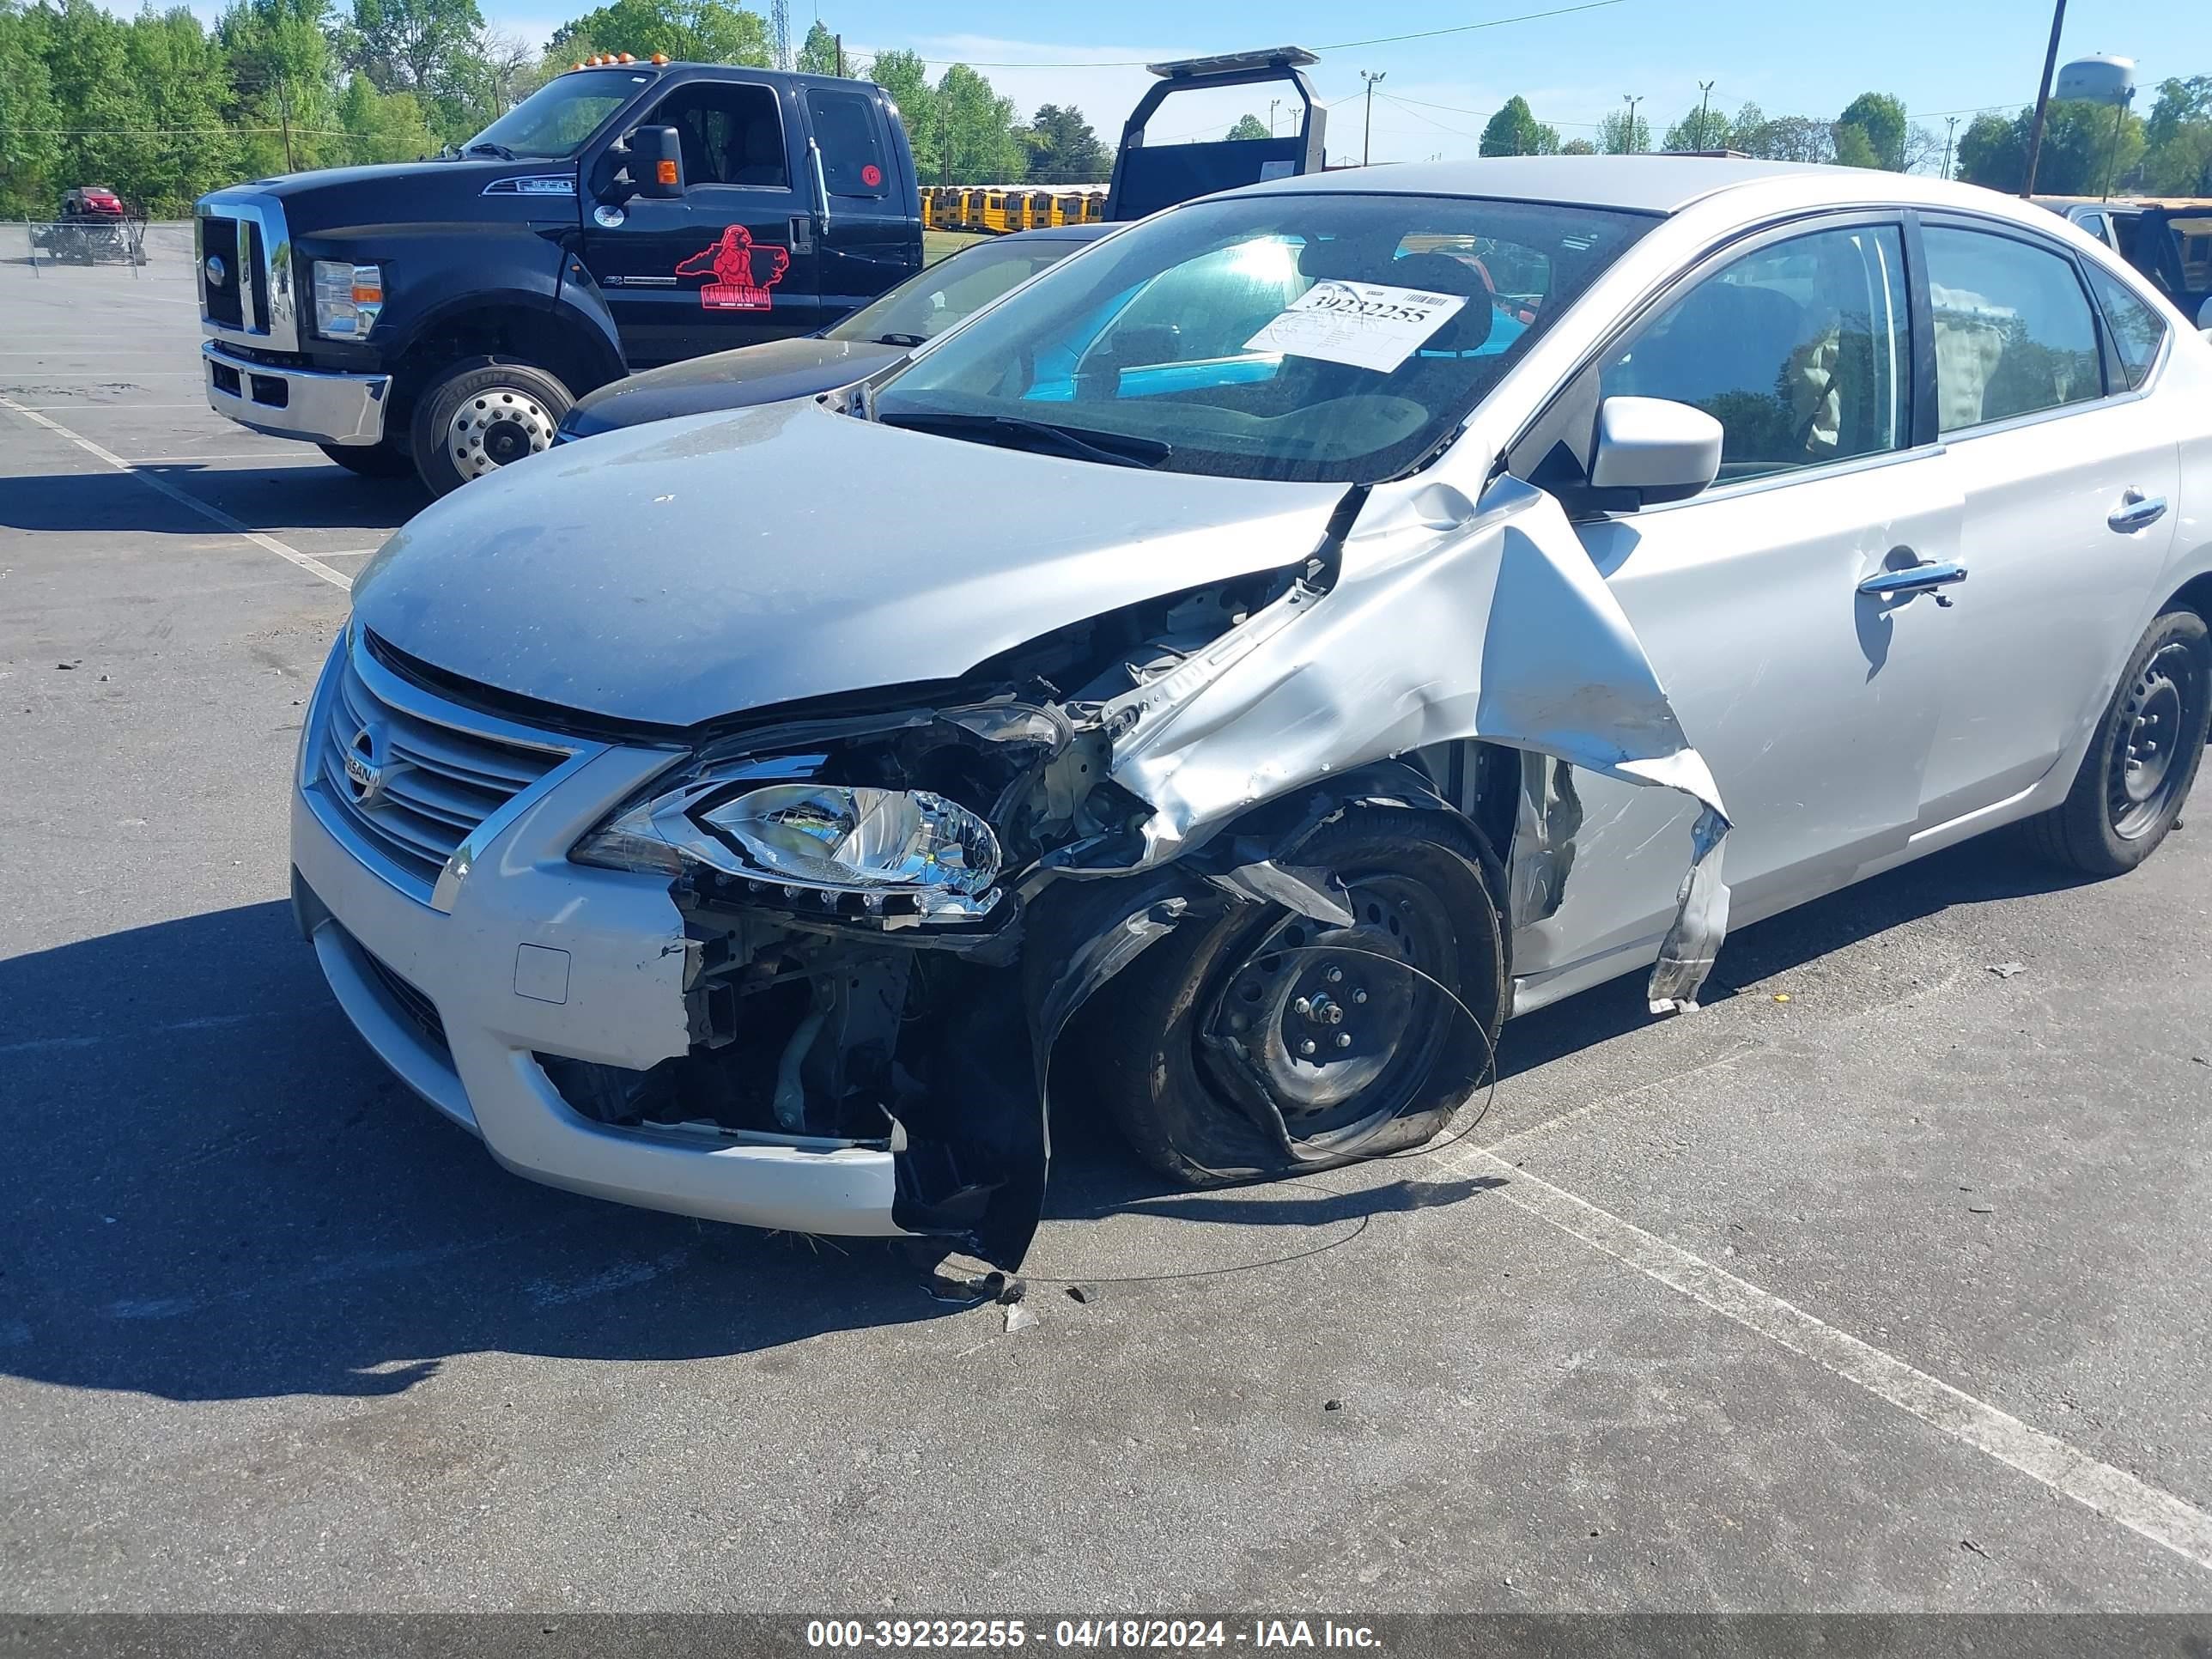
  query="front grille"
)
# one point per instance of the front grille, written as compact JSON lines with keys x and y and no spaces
{"x":255,"y":258}
{"x":418,"y":786}
{"x":421,"y":1012}
{"x":219,"y":240}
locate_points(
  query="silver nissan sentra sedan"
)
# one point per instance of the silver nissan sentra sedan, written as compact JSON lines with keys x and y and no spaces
{"x":1227,"y":676}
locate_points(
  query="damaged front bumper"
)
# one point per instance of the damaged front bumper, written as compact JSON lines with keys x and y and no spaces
{"x":538,"y":960}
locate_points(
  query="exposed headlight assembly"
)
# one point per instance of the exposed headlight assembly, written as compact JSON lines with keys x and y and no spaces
{"x":349,"y":298}
{"x":827,"y":838}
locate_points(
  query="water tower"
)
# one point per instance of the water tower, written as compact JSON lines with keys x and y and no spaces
{"x":2102,"y":79}
{"x":2097,"y":80}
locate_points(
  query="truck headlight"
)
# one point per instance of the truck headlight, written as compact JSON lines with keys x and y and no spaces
{"x":349,"y":298}
{"x":832,"y":838}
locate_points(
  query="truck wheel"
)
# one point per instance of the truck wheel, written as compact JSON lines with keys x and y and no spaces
{"x":1269,"y":1041}
{"x":482,"y":415}
{"x":385,"y":460}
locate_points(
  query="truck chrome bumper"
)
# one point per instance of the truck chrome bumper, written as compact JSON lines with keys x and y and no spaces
{"x":319,"y":406}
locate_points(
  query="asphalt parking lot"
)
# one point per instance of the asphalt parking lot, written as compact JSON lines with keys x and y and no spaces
{"x":1879,"y":1283}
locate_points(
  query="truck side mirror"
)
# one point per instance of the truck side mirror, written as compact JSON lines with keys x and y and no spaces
{"x":656,"y":163}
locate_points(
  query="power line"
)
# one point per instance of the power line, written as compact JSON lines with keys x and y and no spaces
{"x":1339,"y":46}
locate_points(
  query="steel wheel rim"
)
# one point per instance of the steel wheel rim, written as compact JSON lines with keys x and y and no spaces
{"x":2146,"y":765}
{"x":496,"y":428}
{"x":1308,"y":1022}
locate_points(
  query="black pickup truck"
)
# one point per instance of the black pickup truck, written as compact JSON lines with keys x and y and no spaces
{"x":440,"y":317}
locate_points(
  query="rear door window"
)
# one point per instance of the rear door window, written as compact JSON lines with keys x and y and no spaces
{"x":845,"y":125}
{"x":2137,"y":331}
{"x":2015,"y":334}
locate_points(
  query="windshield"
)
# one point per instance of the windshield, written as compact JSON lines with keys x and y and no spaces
{"x":552,"y":124}
{"x":1325,"y":338}
{"x":926,"y":304}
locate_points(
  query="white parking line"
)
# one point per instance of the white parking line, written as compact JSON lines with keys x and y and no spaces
{"x":2157,"y":1515}
{"x":154,"y":481}
{"x":261,"y":455}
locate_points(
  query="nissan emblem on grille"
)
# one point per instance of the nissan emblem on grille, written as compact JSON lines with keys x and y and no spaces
{"x":215,"y":270}
{"x":368,"y":766}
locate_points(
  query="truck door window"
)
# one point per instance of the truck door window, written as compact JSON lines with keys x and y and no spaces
{"x":851,"y":142}
{"x":731,"y":134}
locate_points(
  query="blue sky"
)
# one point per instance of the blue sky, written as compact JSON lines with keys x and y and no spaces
{"x":1792,"y":58}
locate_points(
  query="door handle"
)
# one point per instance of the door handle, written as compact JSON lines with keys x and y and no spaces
{"x":2137,"y":510}
{"x":1903,"y":583}
{"x":821,"y":182}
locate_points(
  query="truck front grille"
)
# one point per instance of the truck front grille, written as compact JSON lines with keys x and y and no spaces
{"x":413,"y":787}
{"x":222,"y":302}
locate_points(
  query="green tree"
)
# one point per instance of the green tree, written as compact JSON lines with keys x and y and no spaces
{"x":283,"y":81}
{"x":1578,"y":147}
{"x":1855,"y":147}
{"x":182,"y":73}
{"x":1514,"y":131}
{"x":1064,"y":150}
{"x":384,"y":126}
{"x":2178,"y":139}
{"x":977,"y":127}
{"x":1249,"y":126}
{"x":2084,"y":145}
{"x":1881,"y":117}
{"x":1992,"y":151}
{"x":818,"y":54}
{"x":1622,"y":134}
{"x":30,"y":143}
{"x":695,"y":31}
{"x":906,"y":78}
{"x":1700,"y":128}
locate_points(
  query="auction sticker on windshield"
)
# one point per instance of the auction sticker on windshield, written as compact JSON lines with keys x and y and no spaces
{"x":1364,"y":324}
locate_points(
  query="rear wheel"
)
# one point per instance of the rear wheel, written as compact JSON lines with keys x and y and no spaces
{"x":1270,"y":1042}
{"x":2137,"y":774}
{"x":482,"y":415}
{"x":387,"y":459}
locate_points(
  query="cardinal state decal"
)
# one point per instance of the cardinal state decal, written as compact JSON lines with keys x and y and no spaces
{"x":735,"y":265}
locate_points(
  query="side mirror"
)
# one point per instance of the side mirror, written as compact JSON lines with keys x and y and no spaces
{"x":1653,"y":450}
{"x":656,"y":163}
{"x":2204,"y":317}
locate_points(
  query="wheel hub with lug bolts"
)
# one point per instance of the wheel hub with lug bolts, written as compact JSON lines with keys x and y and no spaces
{"x":2146,"y":763}
{"x":495,"y":428}
{"x":1317,"y":1018}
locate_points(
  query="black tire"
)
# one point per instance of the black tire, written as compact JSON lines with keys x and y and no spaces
{"x":383,"y":460}
{"x":482,"y":414}
{"x":2137,"y":777}
{"x":1201,"y":1106}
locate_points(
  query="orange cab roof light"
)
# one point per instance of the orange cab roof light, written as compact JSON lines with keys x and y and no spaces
{"x":660,"y":58}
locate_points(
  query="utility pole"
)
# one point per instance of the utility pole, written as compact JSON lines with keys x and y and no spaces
{"x":1273,"y":104}
{"x":2112,"y":156}
{"x":1367,"y":132}
{"x":1704,"y":108}
{"x":284,"y":109}
{"x":2043,"y":99}
{"x":840,"y":40}
{"x":1951,"y":127}
{"x":1628,"y":138}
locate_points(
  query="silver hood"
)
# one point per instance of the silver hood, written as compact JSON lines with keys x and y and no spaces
{"x":683,"y":570}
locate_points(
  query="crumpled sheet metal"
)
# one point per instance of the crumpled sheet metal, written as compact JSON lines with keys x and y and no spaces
{"x":1504,"y":632}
